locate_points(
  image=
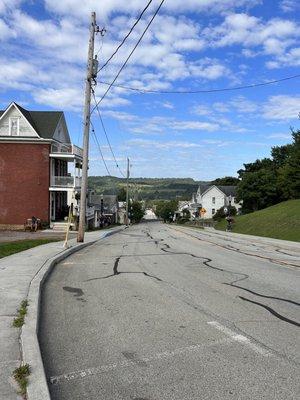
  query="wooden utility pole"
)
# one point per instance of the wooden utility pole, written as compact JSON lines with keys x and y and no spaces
{"x":127,"y":194}
{"x":86,"y":132}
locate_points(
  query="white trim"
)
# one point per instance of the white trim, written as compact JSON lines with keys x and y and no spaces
{"x":10,"y":126}
{"x":211,"y":187}
{"x":28,"y":139}
{"x":15,"y":105}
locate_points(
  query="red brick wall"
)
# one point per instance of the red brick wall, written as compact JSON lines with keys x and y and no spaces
{"x":24,"y":182}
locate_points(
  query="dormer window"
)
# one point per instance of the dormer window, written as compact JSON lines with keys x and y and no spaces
{"x":14,"y":126}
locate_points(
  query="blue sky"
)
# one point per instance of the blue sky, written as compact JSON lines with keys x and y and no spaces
{"x":192,"y":44}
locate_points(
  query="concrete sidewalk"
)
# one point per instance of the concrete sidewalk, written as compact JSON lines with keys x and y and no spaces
{"x":16,"y":274}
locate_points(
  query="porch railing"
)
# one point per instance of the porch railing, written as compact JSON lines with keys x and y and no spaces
{"x":66,"y":148}
{"x":62,"y":181}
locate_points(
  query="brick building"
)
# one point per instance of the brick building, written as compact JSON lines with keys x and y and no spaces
{"x":40,"y":169}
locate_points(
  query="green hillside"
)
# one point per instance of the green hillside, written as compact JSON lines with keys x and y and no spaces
{"x":147,"y":188}
{"x":281,"y":221}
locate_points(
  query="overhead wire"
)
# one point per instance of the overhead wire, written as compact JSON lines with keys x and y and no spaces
{"x":106,"y":135}
{"x":130,"y":54}
{"x":99,"y":147}
{"x":126,"y":37}
{"x":190,"y":91}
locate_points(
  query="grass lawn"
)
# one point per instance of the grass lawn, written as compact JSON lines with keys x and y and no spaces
{"x":8,"y":248}
{"x":281,"y":221}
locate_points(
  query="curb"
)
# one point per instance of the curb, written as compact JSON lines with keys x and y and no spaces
{"x":38,"y":388}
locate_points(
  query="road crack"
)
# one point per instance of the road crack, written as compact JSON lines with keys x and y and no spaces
{"x":275,"y":313}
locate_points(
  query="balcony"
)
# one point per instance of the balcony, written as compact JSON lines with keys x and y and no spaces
{"x":66,"y":149}
{"x":66,"y":182}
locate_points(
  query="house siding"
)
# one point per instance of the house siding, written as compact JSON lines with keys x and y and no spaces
{"x":24,"y":182}
{"x":25,"y":129}
{"x":208,"y":204}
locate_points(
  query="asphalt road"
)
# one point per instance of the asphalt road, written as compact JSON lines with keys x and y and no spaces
{"x":160,"y":313}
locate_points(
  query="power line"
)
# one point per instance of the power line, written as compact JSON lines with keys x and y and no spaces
{"x":126,"y":37}
{"x":99,"y":148}
{"x":189,"y":91}
{"x":106,"y":135}
{"x":132,"y":51}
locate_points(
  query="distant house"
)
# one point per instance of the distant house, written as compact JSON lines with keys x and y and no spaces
{"x":106,"y":208}
{"x":212,"y":198}
{"x":209,"y":198}
{"x":40,"y":169}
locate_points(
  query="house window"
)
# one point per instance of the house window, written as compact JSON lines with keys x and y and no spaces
{"x":213,"y":211}
{"x":214,"y":200}
{"x":14,"y":126}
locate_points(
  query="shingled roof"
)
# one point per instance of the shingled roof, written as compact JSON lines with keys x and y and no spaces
{"x":227,"y":190}
{"x":43,"y":122}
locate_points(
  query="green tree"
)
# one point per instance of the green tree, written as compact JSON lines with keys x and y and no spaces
{"x":258,"y":189}
{"x":136,"y":211}
{"x":289,"y":171}
{"x":226,"y":181}
{"x":122,"y":194}
{"x":166,"y":209}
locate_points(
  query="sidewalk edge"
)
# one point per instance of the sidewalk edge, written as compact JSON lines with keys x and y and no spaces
{"x":38,"y":388}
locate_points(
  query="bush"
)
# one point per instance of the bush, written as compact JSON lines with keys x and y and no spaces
{"x":220,"y":214}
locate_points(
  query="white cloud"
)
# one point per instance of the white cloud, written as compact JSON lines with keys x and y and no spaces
{"x":289,"y":5}
{"x":243,"y":105}
{"x":65,"y":99}
{"x":162,"y":145}
{"x":105,"y":9}
{"x":8,"y":5}
{"x":272,"y":38}
{"x":163,"y":125}
{"x":279,"y":136}
{"x":282,"y":107}
{"x":5,"y":31}
{"x":289,"y":59}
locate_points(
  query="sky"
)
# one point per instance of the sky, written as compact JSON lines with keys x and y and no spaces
{"x":191,"y":45}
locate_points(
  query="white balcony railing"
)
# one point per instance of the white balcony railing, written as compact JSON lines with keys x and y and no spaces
{"x":62,"y":181}
{"x":65,"y":181}
{"x":66,"y":148}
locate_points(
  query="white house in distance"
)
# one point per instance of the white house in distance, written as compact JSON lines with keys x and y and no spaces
{"x":211,"y":198}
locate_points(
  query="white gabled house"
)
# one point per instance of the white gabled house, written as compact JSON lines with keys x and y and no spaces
{"x":210,"y":198}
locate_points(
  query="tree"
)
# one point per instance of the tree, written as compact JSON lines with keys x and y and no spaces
{"x":226,"y":181}
{"x":136,"y":211}
{"x":289,"y":171}
{"x":258,"y":185}
{"x":166,"y":209}
{"x":258,"y":190}
{"x":220,"y":214}
{"x":122,"y":194}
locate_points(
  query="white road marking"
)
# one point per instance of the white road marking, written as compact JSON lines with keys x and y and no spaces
{"x":240,"y":338}
{"x":126,"y":363}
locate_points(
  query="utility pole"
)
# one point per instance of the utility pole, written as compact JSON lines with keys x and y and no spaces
{"x":91,"y":75}
{"x":127,"y":194}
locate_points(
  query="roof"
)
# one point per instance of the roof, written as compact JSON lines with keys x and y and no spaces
{"x":109,"y":201}
{"x":227,"y":190}
{"x":43,"y":122}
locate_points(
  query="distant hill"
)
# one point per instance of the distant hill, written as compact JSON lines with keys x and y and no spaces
{"x":147,"y":188}
{"x":281,"y":221}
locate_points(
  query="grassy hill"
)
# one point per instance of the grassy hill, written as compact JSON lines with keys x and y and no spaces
{"x":281,"y":221}
{"x":147,"y":188}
